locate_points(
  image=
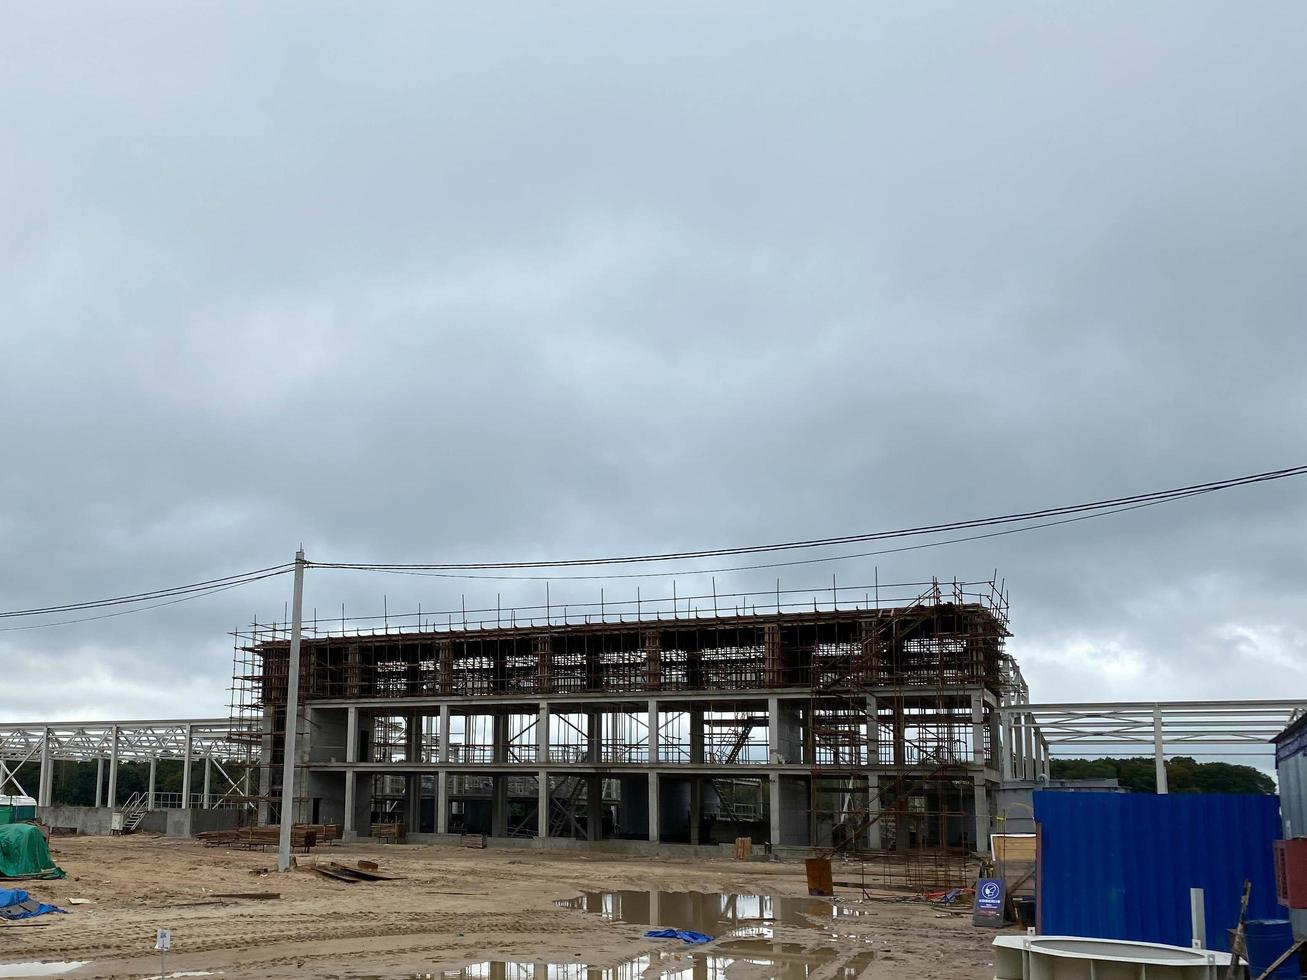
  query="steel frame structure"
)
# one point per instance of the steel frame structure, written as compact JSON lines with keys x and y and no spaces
{"x":190,"y":739}
{"x":1150,"y":726}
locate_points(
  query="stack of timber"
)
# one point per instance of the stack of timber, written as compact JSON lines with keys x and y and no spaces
{"x":396,"y":833}
{"x":472,"y":840}
{"x":303,"y":836}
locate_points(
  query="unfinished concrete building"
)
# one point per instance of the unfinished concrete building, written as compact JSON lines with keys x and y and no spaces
{"x":869,"y":729}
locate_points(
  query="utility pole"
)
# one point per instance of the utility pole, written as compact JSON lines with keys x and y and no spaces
{"x":292,"y":710}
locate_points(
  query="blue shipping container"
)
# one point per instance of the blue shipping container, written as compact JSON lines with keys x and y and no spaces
{"x":1120,"y":866}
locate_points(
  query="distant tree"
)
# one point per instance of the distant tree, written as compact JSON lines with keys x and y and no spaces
{"x":1183,"y":775}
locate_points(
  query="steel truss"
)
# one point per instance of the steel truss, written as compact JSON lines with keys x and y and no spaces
{"x":1153,"y":726}
{"x":192,"y":739}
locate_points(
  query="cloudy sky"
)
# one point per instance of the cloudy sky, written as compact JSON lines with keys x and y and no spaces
{"x":513,"y":281}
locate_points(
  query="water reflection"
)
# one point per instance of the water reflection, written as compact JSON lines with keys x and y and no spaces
{"x":715,"y":913}
{"x":781,"y":961}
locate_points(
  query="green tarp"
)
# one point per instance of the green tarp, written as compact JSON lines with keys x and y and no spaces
{"x":23,"y":853}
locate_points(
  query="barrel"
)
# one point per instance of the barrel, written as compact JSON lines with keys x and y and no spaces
{"x":1266,"y":940}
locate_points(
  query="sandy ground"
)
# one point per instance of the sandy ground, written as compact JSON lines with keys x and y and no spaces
{"x":455,"y":907}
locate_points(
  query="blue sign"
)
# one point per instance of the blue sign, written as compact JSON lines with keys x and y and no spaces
{"x":989,"y":896}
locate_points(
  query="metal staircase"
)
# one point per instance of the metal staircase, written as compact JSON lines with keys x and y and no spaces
{"x":134,"y":811}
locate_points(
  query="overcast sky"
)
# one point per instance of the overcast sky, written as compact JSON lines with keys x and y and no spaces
{"x":508,"y":281}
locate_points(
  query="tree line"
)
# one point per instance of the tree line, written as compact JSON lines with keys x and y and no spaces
{"x":1183,"y":775}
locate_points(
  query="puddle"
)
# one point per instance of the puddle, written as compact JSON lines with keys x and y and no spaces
{"x":719,"y":914}
{"x":40,"y":969}
{"x":774,"y":963}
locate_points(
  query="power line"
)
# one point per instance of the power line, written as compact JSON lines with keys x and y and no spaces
{"x":1116,"y":503}
{"x":395,"y":570}
{"x":241,"y":578}
{"x":137,"y":609}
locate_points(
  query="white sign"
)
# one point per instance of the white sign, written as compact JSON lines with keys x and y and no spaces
{"x":163,"y":940}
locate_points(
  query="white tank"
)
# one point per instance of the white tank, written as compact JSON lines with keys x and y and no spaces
{"x":1078,"y":958}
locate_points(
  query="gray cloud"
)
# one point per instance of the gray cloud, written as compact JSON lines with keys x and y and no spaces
{"x":504,"y":282}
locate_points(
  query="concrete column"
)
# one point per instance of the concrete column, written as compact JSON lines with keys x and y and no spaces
{"x":594,"y":807}
{"x":774,"y":808}
{"x":413,"y":803}
{"x":113,"y":767}
{"x":653,"y":732}
{"x":542,"y":734}
{"x":654,"y":809}
{"x":348,"y":829}
{"x":1159,"y":750}
{"x":186,"y":771}
{"x":542,"y":797}
{"x":873,"y":812}
{"x":442,"y":785}
{"x":696,"y":807}
{"x":351,"y":734}
{"x":208,"y":798}
{"x":499,"y":805}
{"x":444,"y":737}
{"x":978,"y":729}
{"x":499,"y":736}
{"x":1028,"y":744}
{"x":1009,"y":746}
{"x":99,"y":780}
{"x":45,"y":787}
{"x":774,"y":738}
{"x":149,"y":793}
{"x":873,"y":781}
{"x":982,"y":814}
{"x":696,"y":734}
{"x":593,"y":737}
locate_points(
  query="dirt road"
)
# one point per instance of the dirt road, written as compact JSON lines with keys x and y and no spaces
{"x":455,"y":907}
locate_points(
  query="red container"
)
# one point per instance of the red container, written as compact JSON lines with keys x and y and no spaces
{"x":1291,"y":872}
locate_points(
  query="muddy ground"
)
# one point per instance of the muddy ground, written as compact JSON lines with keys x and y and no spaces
{"x":456,"y":907}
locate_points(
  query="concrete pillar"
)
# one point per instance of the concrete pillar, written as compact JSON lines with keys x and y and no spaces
{"x":442,"y":784}
{"x":594,"y":807}
{"x":45,"y":787}
{"x":696,"y":734}
{"x":655,"y":810}
{"x":499,"y":736}
{"x":1028,"y":745}
{"x":351,"y":734}
{"x":774,"y":734}
{"x":542,"y":734}
{"x":499,"y":805}
{"x":1159,"y":750}
{"x":594,"y":737}
{"x":696,"y":807}
{"x":978,"y":729}
{"x":113,"y":767}
{"x":542,"y":804}
{"x":348,"y":829}
{"x":208,"y":798}
{"x":982,"y":814}
{"x":873,"y":812}
{"x":444,"y":737}
{"x":99,"y":780}
{"x":1009,"y":745}
{"x":653,"y":732}
{"x":413,"y":803}
{"x":186,"y":770}
{"x":149,"y":793}
{"x":774,"y":808}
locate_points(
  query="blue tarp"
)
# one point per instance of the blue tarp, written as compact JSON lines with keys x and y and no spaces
{"x":17,"y":904}
{"x":1120,"y":865}
{"x":685,"y":935}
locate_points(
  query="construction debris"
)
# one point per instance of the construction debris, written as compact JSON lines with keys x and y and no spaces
{"x":339,"y":872}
